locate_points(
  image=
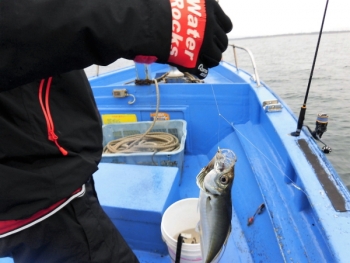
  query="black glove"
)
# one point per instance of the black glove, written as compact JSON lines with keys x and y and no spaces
{"x":190,"y":50}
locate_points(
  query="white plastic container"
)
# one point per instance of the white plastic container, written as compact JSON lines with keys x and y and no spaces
{"x":180,"y":216}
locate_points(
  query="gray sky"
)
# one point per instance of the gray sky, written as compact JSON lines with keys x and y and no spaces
{"x":271,"y":17}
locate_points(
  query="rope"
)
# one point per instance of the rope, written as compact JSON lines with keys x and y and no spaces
{"x":146,"y":142}
{"x":151,"y":142}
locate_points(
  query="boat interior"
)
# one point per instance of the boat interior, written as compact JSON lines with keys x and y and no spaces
{"x":229,"y":109}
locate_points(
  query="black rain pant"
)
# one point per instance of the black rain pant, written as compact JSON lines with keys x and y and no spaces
{"x":80,"y":232}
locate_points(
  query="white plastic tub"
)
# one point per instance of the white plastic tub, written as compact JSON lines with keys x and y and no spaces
{"x":180,"y":216}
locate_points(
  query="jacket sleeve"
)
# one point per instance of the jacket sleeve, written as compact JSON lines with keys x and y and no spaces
{"x":40,"y":38}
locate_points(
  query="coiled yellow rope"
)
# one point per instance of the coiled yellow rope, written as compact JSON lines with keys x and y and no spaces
{"x":146,"y":142}
{"x":151,"y":142}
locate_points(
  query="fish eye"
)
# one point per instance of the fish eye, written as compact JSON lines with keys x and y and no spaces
{"x":224,"y":179}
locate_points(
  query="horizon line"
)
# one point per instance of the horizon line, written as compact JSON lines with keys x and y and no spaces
{"x":288,"y":34}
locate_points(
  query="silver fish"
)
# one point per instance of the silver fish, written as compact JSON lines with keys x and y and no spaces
{"x":215,"y":204}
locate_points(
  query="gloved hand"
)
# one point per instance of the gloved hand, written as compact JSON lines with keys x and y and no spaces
{"x":199,"y":35}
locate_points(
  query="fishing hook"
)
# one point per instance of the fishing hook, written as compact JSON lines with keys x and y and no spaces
{"x":133,"y":100}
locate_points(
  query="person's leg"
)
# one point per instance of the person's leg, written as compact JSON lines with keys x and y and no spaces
{"x":81,"y":232}
{"x":105,"y":241}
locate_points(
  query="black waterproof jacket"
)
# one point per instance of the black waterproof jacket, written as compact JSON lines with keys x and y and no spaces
{"x":58,"y":38}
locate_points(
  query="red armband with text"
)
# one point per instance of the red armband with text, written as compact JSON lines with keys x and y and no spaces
{"x":188,"y":26}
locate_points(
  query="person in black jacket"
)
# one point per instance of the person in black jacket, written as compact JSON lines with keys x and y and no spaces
{"x":50,"y":128}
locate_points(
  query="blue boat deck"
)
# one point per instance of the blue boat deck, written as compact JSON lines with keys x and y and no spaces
{"x":256,"y":181}
{"x":250,"y":189}
{"x":129,"y":204}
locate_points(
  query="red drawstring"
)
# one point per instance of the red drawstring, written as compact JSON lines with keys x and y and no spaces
{"x":46,"y":110}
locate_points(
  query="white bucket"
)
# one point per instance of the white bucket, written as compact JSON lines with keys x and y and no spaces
{"x":181,"y":216}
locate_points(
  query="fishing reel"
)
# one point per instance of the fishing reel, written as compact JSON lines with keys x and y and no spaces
{"x":321,"y":127}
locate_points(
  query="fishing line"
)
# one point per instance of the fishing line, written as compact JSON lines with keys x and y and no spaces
{"x":266,"y":157}
{"x":219,"y":113}
{"x":217,"y":107}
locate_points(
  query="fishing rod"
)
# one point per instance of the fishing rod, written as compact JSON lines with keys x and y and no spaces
{"x":303,"y":108}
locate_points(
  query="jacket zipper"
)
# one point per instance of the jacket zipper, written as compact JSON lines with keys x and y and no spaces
{"x":45,"y":106}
